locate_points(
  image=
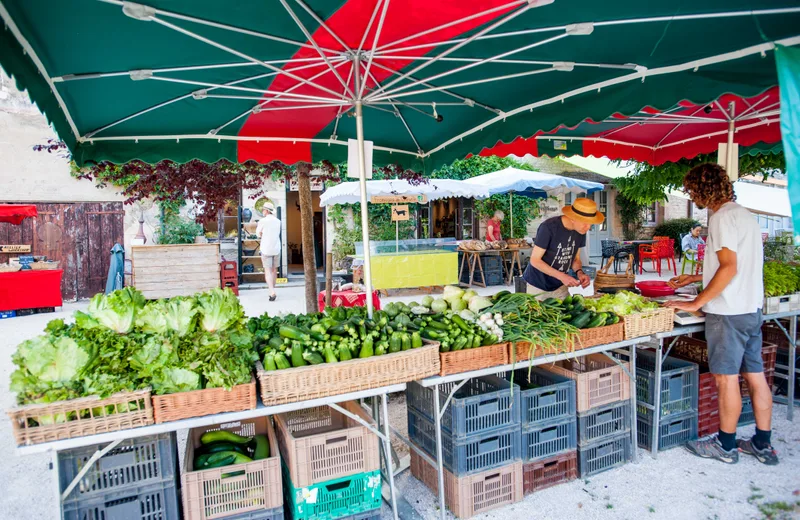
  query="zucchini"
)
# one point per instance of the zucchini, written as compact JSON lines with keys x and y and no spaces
{"x":500,"y":295}
{"x":344,"y":352}
{"x":330,"y":357}
{"x":275,"y":342}
{"x":581,"y":320}
{"x":458,"y":320}
{"x":491,"y":339}
{"x":379,"y":350}
{"x":396,"y":343}
{"x":568,"y":301}
{"x":367,"y":349}
{"x":281,"y":362}
{"x":405,"y":339}
{"x":613,"y":319}
{"x":269,"y":362}
{"x":225,"y":458}
{"x":297,"y":354}
{"x":438,"y":325}
{"x":262,"y":447}
{"x":313,"y":358}
{"x":295,"y":333}
{"x":223,"y":435}
{"x":218,"y":446}
{"x":550,"y":302}
{"x":597,"y":321}
{"x":416,"y":340}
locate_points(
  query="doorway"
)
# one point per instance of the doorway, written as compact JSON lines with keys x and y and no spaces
{"x":602,"y":231}
{"x":447,"y":218}
{"x":294,"y":235}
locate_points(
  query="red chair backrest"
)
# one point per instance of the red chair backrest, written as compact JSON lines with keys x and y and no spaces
{"x":701,"y":252}
{"x":666,"y":248}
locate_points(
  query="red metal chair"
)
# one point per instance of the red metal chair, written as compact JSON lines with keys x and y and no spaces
{"x":701,"y":254}
{"x":666,"y":251}
{"x":655,"y":253}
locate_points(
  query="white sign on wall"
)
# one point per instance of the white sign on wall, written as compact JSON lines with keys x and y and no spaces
{"x":316,"y":184}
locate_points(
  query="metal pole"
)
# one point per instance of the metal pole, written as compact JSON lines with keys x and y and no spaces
{"x":791,"y":368}
{"x":511,"y":210}
{"x":731,"y":128}
{"x":396,"y":234}
{"x":656,"y":400}
{"x":362,"y":180}
{"x":437,"y":418}
{"x":387,"y":449}
{"x":634,"y":433}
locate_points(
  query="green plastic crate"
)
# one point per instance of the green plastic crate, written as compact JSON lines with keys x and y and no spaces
{"x":333,"y":499}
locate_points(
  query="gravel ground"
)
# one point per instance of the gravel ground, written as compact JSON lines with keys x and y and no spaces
{"x":676,"y":485}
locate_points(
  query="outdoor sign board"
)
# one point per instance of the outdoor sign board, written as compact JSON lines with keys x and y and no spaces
{"x":400,"y":213}
{"x":398,"y":199}
{"x":316,"y":184}
{"x":15,"y":248}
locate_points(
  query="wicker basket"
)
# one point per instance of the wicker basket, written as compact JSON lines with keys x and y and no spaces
{"x":196,"y":403}
{"x":473,"y":359}
{"x":43,"y":266}
{"x":603,"y":280}
{"x":8,"y":268}
{"x":587,"y":338}
{"x":84,"y":416}
{"x":315,"y":381}
{"x":650,"y":322}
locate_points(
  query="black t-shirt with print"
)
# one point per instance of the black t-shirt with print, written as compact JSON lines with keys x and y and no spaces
{"x":560,"y":245}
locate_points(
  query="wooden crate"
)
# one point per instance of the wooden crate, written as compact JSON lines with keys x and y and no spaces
{"x":175,"y":270}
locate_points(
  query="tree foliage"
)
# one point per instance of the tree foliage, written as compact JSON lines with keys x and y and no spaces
{"x":631,"y":215}
{"x":648,"y":183}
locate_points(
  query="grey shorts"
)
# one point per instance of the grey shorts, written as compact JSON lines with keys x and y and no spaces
{"x":270,"y":261}
{"x":734,"y":343}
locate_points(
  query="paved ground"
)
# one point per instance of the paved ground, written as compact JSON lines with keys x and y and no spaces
{"x":675,"y":485}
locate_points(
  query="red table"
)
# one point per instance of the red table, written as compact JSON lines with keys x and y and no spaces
{"x":349,"y":299}
{"x":30,"y":290}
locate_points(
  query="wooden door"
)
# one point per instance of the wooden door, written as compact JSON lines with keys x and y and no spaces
{"x":104,"y":228}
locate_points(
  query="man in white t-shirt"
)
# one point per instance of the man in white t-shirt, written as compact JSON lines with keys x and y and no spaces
{"x":269,"y":231}
{"x":732,"y":297}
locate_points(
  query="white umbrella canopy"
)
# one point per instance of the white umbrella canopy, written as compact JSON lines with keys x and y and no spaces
{"x":350,"y":192}
{"x":516,"y":180}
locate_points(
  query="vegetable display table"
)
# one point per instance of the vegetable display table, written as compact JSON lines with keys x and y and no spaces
{"x":30,"y":289}
{"x":472,"y":259}
{"x":349,"y":299}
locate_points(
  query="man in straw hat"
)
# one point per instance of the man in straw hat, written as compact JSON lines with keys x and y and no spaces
{"x":269,"y":231}
{"x":555,"y":251}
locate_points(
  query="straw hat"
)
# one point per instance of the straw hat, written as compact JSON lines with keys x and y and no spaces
{"x":268,"y":206}
{"x":584,"y":210}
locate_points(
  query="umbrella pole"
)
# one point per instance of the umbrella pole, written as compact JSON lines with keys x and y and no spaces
{"x":731,"y":129}
{"x":362,"y":181}
{"x":511,"y":207}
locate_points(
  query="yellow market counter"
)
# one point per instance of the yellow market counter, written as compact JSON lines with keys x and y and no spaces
{"x":407,"y":269}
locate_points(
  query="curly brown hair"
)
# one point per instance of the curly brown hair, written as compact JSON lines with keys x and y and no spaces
{"x":708,"y":185}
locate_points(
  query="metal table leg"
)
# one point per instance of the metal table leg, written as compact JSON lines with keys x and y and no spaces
{"x":634,"y":433}
{"x":791,"y":368}
{"x":657,"y":400}
{"x":387,"y":449}
{"x":439,"y":461}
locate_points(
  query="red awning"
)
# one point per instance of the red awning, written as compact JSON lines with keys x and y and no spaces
{"x":16,"y":213}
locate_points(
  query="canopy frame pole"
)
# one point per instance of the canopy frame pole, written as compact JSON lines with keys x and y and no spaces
{"x":731,"y":130}
{"x":362,"y":181}
{"x":511,"y":211}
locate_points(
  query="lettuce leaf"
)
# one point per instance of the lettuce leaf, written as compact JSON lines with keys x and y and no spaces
{"x":116,"y":311}
{"x":219,"y":310}
{"x":174,"y":380}
{"x":180,"y":315}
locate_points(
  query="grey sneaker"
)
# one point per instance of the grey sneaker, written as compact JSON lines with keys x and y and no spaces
{"x":766,"y":456}
{"x":711,"y":448}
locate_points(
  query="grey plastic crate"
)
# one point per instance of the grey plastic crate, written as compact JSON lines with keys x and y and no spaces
{"x":483,"y":404}
{"x":673,"y":430}
{"x":153,"y":502}
{"x":604,"y":454}
{"x":679,"y":383}
{"x":374,"y":514}
{"x":132,"y":463}
{"x":466,"y":456}
{"x":604,"y":421}
{"x":545,"y":439}
{"x":276,"y":513}
{"x":545,"y":396}
{"x":748,"y":415}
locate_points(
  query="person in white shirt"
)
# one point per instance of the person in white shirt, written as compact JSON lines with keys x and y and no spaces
{"x":732,"y":297}
{"x":269,"y":231}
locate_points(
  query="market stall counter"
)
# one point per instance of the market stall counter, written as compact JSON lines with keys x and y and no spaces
{"x":406,"y":264}
{"x":29,"y":289}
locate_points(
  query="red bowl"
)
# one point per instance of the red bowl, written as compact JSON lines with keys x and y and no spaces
{"x":655,"y":288}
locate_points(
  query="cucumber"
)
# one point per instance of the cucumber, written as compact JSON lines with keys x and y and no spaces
{"x":313,"y":358}
{"x":597,"y":321}
{"x":262,"y":447}
{"x":500,"y":295}
{"x":581,"y":320}
{"x":218,"y":446}
{"x":568,"y":301}
{"x":225,"y":458}
{"x":551,"y":302}
{"x":222,"y":435}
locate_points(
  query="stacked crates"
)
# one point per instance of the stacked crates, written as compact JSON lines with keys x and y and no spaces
{"x":603,"y":411}
{"x":678,"y":388}
{"x":774,"y":335}
{"x":549,"y":431}
{"x":136,"y":480}
{"x":480,"y":443}
{"x":330,"y":464}
{"x":492,"y":270}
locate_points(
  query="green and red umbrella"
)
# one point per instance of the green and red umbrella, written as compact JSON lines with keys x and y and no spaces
{"x":438,"y":79}
{"x":658,"y":136}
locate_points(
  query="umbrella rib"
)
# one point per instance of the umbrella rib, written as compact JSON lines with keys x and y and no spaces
{"x":241,"y":55}
{"x":245,"y":89}
{"x":626,"y":66}
{"x":593,"y":139}
{"x":374,"y":44}
{"x":627,"y":125}
{"x":397,"y":112}
{"x":481,"y":62}
{"x":186,"y":96}
{"x":483,"y":31}
{"x":751,"y":107}
{"x":339,"y":112}
{"x":308,"y":35}
{"x":10,"y":24}
{"x":223,"y":26}
{"x":322,"y":23}
{"x":369,"y":25}
{"x":450,"y":24}
{"x":279,"y":94}
{"x":675,"y":128}
{"x":721,"y":132}
{"x":719,"y":58}
{"x":466,"y":100}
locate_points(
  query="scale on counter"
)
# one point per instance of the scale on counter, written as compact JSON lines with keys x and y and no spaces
{"x":683,"y":317}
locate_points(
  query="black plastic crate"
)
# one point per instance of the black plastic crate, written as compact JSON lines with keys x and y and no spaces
{"x":153,"y":502}
{"x":492,"y":262}
{"x":604,"y":454}
{"x":490,"y":274}
{"x":673,"y":430}
{"x":604,"y":421}
{"x":132,"y":463}
{"x":495,"y":278}
{"x":545,"y":439}
{"x":466,"y":456}
{"x":481,"y":405}
{"x":748,"y":415}
{"x":520,"y":285}
{"x":545,"y":396}
{"x":678,"y":385}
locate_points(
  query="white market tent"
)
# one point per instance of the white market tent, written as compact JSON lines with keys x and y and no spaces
{"x":760,"y":199}
{"x":531,"y":184}
{"x":350,"y":192}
